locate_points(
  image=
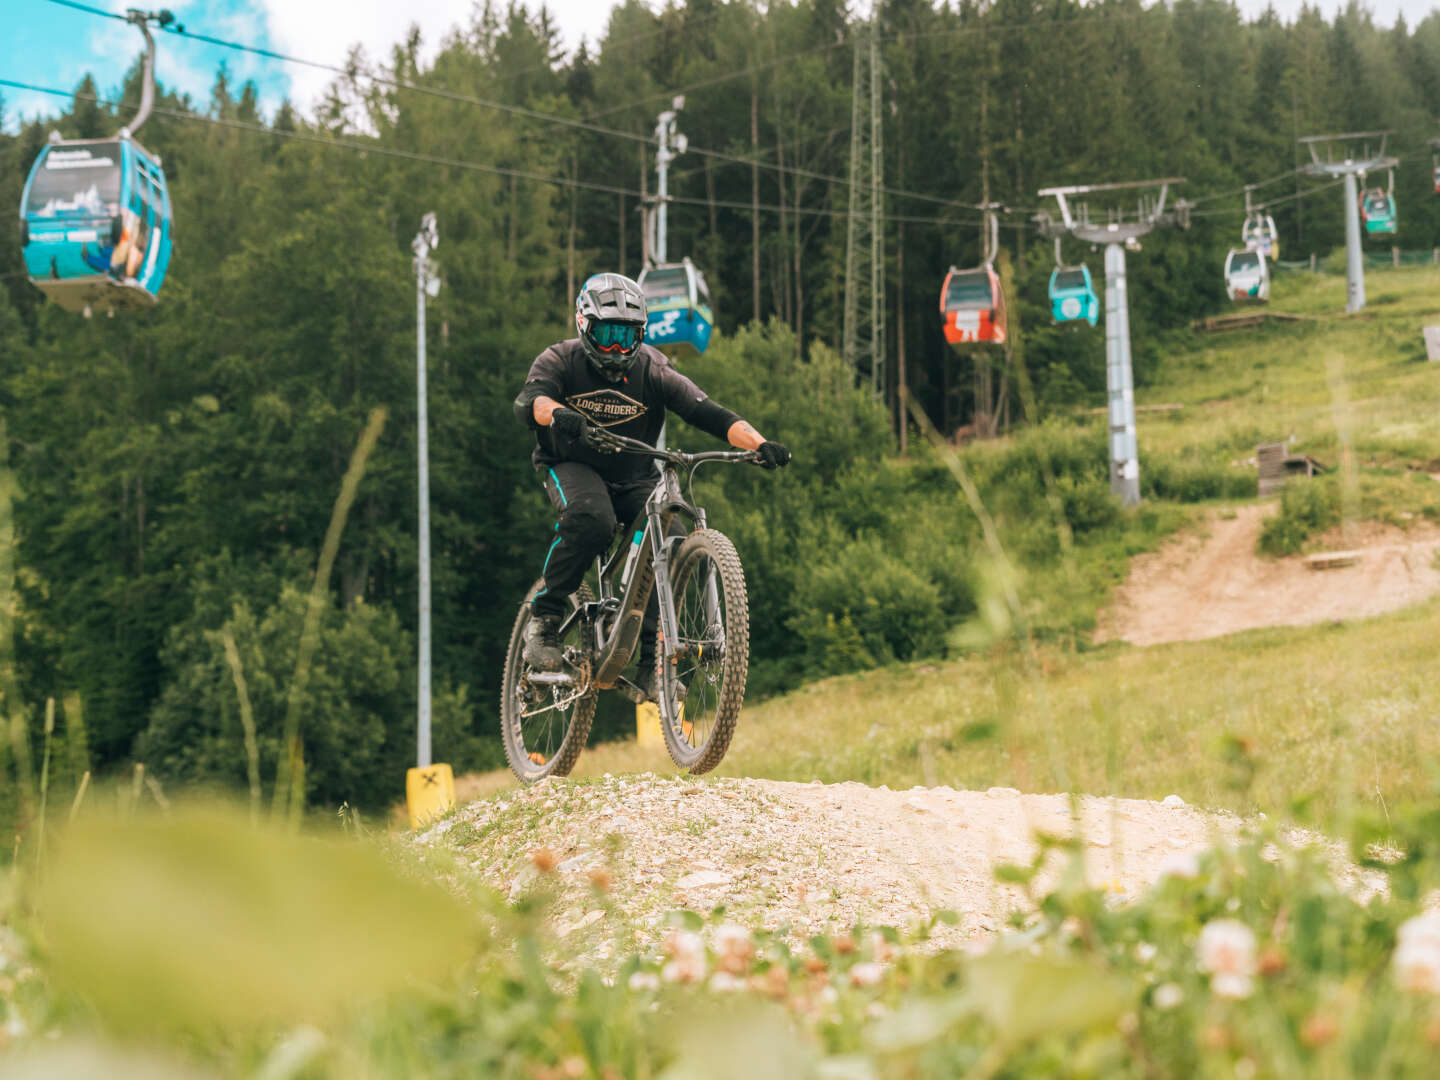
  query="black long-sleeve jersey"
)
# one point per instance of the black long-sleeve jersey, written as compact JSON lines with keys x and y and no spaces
{"x":634,"y":407}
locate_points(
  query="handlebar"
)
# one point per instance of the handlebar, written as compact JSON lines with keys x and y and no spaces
{"x":609,"y":443}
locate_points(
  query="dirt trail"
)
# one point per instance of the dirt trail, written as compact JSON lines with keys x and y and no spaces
{"x":812,"y":857}
{"x":1213,"y":583}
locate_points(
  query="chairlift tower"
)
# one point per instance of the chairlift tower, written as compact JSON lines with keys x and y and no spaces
{"x":864,"y":321}
{"x":1349,"y":166}
{"x":1117,"y":232}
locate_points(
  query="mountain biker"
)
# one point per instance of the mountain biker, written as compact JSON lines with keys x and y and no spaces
{"x":606,"y":377}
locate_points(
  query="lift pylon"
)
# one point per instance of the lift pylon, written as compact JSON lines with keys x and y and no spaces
{"x":1121,"y":229}
{"x":1371,"y":157}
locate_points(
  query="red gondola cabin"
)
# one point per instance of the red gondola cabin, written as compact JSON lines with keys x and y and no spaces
{"x":972,"y":305}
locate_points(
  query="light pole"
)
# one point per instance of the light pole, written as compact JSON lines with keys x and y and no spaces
{"x":427,"y":283}
{"x":672,"y":145}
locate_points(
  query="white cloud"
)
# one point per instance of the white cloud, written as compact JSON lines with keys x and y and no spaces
{"x":324,"y":30}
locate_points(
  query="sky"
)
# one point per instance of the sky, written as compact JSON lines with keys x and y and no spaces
{"x":50,"y":45}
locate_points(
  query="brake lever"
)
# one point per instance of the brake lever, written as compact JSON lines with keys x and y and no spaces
{"x":602,"y":441}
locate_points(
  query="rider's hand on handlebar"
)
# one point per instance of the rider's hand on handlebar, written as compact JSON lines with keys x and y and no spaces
{"x":773,"y":454}
{"x":568,"y":422}
{"x":600,"y":440}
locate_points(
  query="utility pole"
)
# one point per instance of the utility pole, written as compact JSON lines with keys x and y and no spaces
{"x":1117,"y":233}
{"x":427,"y":283}
{"x":1349,"y":167}
{"x":864,"y":321}
{"x":672,"y":145}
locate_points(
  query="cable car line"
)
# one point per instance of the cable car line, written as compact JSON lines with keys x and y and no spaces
{"x":559,"y":181}
{"x":1241,"y":189}
{"x":474,"y":166}
{"x":517,"y":110}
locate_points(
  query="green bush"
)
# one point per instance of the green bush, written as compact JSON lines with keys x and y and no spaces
{"x":357,"y":713}
{"x":1306,"y":507}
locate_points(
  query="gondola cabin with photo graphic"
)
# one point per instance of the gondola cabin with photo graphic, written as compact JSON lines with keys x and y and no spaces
{"x":679,"y":316}
{"x":95,"y":225}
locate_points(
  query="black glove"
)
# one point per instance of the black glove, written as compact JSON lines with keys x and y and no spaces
{"x":568,"y":422}
{"x":773,"y":455}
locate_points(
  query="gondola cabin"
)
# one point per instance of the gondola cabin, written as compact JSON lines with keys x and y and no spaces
{"x":1437,"y":179}
{"x":1259,"y":234}
{"x":972,"y":305}
{"x":1247,"y":276}
{"x":680,"y":317}
{"x":95,"y":225}
{"x":1377,"y":210}
{"x":1072,"y":295}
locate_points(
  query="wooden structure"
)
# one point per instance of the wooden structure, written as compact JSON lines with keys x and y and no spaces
{"x":1277,"y":465}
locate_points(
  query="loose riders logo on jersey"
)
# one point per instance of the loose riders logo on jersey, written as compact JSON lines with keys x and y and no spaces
{"x":606,"y":408}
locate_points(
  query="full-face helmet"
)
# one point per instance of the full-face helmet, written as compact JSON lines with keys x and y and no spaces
{"x":610,"y":318}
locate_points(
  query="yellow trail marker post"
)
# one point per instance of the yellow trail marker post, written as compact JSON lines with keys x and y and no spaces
{"x":429,"y":793}
{"x":647,"y":724}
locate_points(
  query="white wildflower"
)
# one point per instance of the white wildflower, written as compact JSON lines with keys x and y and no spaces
{"x":722,"y":982}
{"x":1226,"y":950}
{"x":733,"y":949}
{"x":1180,"y":864}
{"x":1167,"y":996}
{"x":866,"y":973}
{"x":1145,"y":952}
{"x":1245,"y":1068}
{"x":644,"y":980}
{"x":1417,"y":954}
{"x":686,"y":950}
{"x":881,"y":949}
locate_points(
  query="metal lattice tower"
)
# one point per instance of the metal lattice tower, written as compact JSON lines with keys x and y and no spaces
{"x":1122,"y":229}
{"x":864,"y":327}
{"x":1349,"y":167}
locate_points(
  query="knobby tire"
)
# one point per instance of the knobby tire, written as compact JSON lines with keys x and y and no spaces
{"x":717,"y":683}
{"x":559,"y":756}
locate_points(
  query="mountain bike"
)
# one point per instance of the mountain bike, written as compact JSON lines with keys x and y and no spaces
{"x":703,"y":646}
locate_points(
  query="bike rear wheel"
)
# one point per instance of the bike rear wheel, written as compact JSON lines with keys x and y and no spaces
{"x":544,"y":727}
{"x":703,"y":686}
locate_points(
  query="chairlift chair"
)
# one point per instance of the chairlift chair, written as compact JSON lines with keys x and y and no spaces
{"x":680,"y":316}
{"x":1247,"y":276}
{"x":95,"y":218}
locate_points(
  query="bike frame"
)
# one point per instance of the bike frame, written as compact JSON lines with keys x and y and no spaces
{"x":616,"y":617}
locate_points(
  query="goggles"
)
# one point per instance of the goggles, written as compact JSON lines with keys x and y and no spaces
{"x":616,"y":337}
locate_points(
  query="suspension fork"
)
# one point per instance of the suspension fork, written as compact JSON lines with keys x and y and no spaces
{"x":714,"y":617}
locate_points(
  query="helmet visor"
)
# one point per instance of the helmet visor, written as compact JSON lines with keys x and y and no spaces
{"x":616,"y":337}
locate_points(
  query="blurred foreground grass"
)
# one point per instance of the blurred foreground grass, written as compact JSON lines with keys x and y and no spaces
{"x":196,"y":945}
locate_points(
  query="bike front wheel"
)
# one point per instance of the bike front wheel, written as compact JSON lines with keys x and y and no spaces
{"x":544,"y":726}
{"x":702,"y":684}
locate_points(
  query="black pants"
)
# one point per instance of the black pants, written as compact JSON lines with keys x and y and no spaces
{"x":589,"y":508}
